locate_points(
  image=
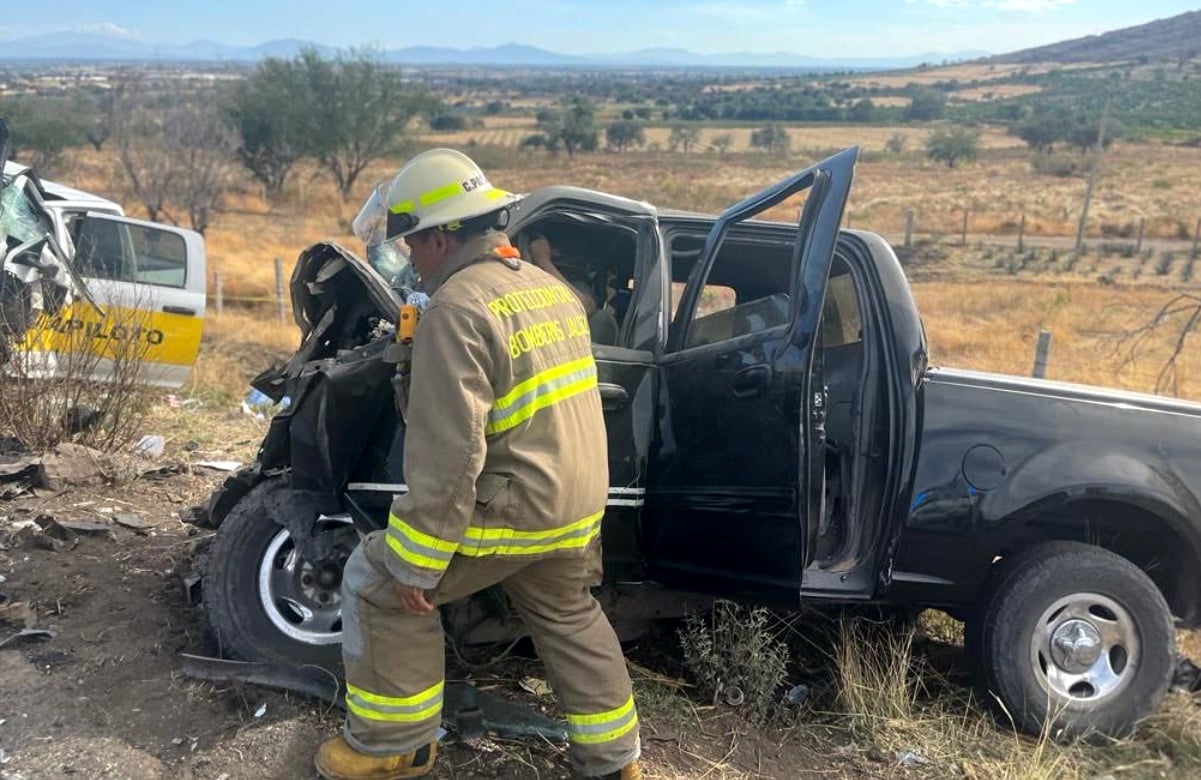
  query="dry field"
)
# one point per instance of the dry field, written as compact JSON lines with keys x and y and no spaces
{"x":983,"y":305}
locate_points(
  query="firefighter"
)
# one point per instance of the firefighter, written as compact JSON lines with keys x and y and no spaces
{"x":507,"y":471}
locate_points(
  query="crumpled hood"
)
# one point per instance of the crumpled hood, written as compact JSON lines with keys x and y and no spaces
{"x":37,"y":274}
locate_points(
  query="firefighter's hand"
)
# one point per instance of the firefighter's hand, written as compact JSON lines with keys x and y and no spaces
{"x":540,"y":252}
{"x":413,"y":600}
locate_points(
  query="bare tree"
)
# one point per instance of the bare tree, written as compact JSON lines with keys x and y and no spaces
{"x":201,"y":145}
{"x":146,"y":161}
{"x":106,"y":107}
{"x":1180,"y":317}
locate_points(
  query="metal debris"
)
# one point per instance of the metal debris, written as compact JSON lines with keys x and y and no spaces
{"x":466,"y":709}
{"x":28,"y":633}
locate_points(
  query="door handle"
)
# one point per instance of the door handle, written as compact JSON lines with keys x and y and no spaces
{"x":185,"y":310}
{"x":751,"y":382}
{"x":613,"y":397}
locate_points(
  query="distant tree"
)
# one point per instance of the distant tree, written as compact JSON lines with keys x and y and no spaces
{"x":1044,"y":127}
{"x":772,"y":139}
{"x":643,"y":113}
{"x":101,"y":111}
{"x":896,"y":143}
{"x":573,"y":126}
{"x":445,"y":122}
{"x":625,"y":133}
{"x":627,"y":115}
{"x":722,"y":143}
{"x":1083,"y":134}
{"x":494,"y":107}
{"x":361,"y":110}
{"x":269,"y":112}
{"x":41,"y":132}
{"x":534,"y":141}
{"x":953,"y":145}
{"x":862,"y":111}
{"x":683,"y":136}
{"x":926,"y":103}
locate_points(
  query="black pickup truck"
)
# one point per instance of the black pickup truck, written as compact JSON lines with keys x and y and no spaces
{"x":777,"y":436}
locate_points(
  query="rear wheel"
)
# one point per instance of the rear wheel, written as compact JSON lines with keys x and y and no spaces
{"x":264,"y":600}
{"x":1076,"y":641}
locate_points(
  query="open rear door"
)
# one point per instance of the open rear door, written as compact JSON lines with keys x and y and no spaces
{"x":737,"y":472}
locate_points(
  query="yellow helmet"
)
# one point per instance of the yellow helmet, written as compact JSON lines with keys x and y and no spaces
{"x":437,"y":188}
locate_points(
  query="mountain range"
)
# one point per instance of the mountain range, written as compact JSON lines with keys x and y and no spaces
{"x":100,"y":46}
{"x":1175,"y":38}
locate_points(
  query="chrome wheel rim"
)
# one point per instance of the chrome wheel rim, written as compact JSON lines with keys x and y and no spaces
{"x":1085,"y":649}
{"x":302,"y":601}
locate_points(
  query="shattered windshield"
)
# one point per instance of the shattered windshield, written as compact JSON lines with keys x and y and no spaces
{"x":392,"y":262}
{"x":20,"y":218}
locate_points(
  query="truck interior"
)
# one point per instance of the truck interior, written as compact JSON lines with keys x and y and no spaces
{"x":748,"y":291}
{"x":598,"y":257}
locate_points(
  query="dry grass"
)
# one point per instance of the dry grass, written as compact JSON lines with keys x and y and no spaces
{"x":964,"y":72}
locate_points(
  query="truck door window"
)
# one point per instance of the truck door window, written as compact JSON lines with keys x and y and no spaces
{"x":747,"y":290}
{"x":129,"y":253}
{"x":841,"y":321}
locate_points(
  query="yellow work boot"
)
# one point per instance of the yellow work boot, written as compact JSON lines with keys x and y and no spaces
{"x":337,"y":760}
{"x":630,"y":771}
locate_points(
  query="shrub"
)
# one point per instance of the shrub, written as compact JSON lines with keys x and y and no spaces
{"x":736,"y":648}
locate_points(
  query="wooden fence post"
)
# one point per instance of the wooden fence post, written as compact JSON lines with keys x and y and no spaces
{"x":963,"y":239}
{"x":1022,"y":233}
{"x":1041,"y":353}
{"x":219,"y":291}
{"x":1142,"y":228}
{"x":279,"y":290}
{"x":1196,"y":239}
{"x":909,"y":217}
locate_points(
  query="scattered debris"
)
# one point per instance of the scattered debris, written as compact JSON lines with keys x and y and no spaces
{"x":28,"y":633}
{"x":163,"y":472}
{"x":733,"y":696}
{"x":18,"y":612}
{"x":465,"y":708}
{"x":910,"y":758}
{"x":1187,"y":677}
{"x":219,"y":465}
{"x":71,"y":465}
{"x":538,"y":687}
{"x":4,"y":756}
{"x":134,"y":523}
{"x":70,"y":530}
{"x":150,"y":446}
{"x":848,"y":749}
{"x":797,"y":695}
{"x":261,"y":711}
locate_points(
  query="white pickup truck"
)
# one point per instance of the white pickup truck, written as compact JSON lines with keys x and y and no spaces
{"x":75,"y":265}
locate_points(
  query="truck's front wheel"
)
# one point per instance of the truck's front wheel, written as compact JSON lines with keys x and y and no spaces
{"x":1076,"y":641}
{"x":263,"y":599}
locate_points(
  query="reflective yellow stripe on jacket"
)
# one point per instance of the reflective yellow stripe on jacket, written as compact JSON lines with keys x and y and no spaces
{"x":603,"y":726}
{"x":395,"y":709}
{"x":429,"y":552}
{"x":540,"y":391}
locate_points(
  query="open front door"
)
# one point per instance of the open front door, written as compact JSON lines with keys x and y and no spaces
{"x":607,"y":250}
{"x":736,"y":483}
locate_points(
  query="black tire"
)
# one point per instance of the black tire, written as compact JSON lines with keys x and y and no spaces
{"x":231,"y":594}
{"x":1046,"y":590}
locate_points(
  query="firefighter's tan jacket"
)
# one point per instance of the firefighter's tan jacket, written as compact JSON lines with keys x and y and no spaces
{"x":505,"y":450}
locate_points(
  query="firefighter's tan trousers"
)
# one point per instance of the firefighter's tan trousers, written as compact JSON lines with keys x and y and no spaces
{"x":395,"y":661}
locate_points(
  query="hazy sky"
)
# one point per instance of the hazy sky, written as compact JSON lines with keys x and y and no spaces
{"x":823,"y":28}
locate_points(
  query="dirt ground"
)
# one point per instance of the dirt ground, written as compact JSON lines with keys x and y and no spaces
{"x":105,"y":698}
